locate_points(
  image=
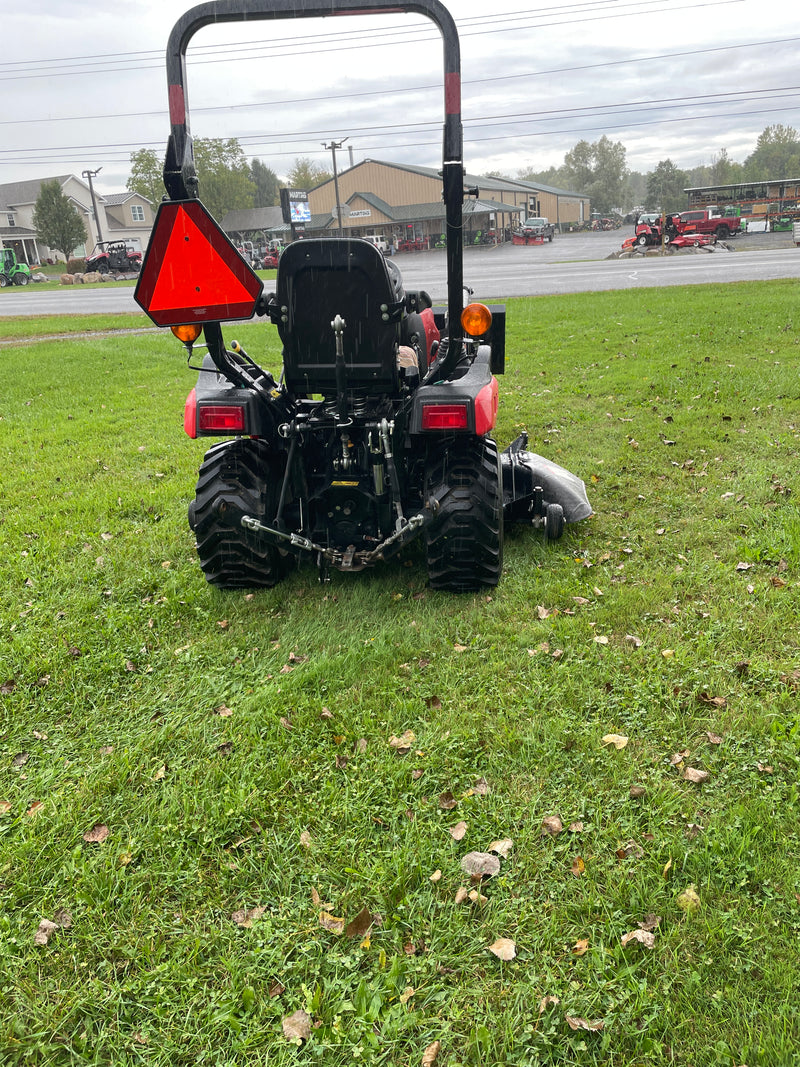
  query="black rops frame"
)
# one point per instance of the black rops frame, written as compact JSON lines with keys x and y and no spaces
{"x":180,"y":176}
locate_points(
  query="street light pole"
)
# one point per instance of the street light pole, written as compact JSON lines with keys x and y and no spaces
{"x":89,"y":174}
{"x":333,"y":146}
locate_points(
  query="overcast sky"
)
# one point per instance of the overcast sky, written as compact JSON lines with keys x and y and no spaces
{"x":669,"y":79}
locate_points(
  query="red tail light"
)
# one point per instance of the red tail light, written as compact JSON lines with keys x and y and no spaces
{"x":444,"y":417}
{"x":221,"y":418}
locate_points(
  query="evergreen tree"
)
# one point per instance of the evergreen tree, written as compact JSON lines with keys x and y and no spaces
{"x":267,"y":184}
{"x":56,"y":221}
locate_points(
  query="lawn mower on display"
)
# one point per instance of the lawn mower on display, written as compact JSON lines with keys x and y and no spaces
{"x":379,"y":429}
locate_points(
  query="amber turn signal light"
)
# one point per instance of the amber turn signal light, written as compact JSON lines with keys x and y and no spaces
{"x":188,"y":333}
{"x":476,"y":320}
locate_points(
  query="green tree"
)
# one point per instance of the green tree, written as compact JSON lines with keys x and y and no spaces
{"x":776,"y":155}
{"x":306,"y":175}
{"x":598,"y":171}
{"x":56,"y":221}
{"x":665,"y":188}
{"x":146,"y":177}
{"x":267,"y":184}
{"x":223,"y":174}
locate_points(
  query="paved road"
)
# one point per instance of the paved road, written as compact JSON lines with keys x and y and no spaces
{"x":572,"y":263}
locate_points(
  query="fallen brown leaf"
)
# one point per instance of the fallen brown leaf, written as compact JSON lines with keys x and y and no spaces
{"x":619,"y":741}
{"x":44,"y":932}
{"x":575,"y":1022}
{"x":644,"y":937}
{"x":359,"y":926}
{"x":547,"y":1002}
{"x":692,"y":774}
{"x":97,"y":835}
{"x":436,"y":876}
{"x":297,"y":1026}
{"x":430,"y":1054}
{"x":504,"y":948}
{"x":480,"y":865}
{"x":502,"y":847}
{"x":447,"y":801}
{"x":581,"y":947}
{"x":458,"y":832}
{"x":552,"y":825}
{"x":403,"y":743}
{"x":461,"y":894}
{"x":477,"y":898}
{"x":578,"y":867}
{"x":331,"y":922}
{"x":245,"y":917}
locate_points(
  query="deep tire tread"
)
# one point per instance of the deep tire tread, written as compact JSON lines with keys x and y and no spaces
{"x":465,"y":543}
{"x":241,"y":473}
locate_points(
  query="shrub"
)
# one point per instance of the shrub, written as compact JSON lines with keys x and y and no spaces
{"x":76,"y":266}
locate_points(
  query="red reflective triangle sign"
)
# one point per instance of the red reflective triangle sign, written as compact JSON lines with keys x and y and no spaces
{"x":192,"y":272}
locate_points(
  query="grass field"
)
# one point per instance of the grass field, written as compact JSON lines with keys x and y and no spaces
{"x":208,"y":822}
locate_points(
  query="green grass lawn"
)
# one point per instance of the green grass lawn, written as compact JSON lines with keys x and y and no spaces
{"x":200,"y":790}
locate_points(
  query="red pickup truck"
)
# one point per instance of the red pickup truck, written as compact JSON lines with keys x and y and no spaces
{"x":707,"y":221}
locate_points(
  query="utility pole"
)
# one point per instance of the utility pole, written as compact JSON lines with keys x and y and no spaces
{"x":333,"y":146}
{"x":89,"y":174}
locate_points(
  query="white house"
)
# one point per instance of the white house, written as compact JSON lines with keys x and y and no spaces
{"x":121,"y":217}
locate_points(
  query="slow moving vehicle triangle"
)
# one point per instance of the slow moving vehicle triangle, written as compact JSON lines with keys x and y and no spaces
{"x":192,"y":272}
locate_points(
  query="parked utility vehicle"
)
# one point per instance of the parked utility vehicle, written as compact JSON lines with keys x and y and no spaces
{"x":115,"y":257}
{"x":12,"y":272}
{"x":379,"y":429}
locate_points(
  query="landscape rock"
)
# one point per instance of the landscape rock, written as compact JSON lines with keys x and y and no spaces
{"x":67,"y":279}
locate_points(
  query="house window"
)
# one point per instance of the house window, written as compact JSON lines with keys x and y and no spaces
{"x":10,"y":218}
{"x":137,"y":213}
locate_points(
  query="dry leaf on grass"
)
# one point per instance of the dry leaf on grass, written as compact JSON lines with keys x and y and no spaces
{"x":502,"y":847}
{"x":578,"y":867}
{"x":407,"y":994}
{"x":644,"y":937}
{"x":547,"y":1002}
{"x":44,"y":932}
{"x":360,"y":925}
{"x":552,"y":825}
{"x":504,"y":948}
{"x":482,"y":787}
{"x":297,"y":1026}
{"x":305,"y":839}
{"x":403,"y":743}
{"x":458,"y":832}
{"x":692,"y":774}
{"x":331,"y":922}
{"x":477,"y":898}
{"x":581,"y":947}
{"x":651,"y":921}
{"x":575,"y":1022}
{"x":430,"y":1054}
{"x":619,"y":741}
{"x":245,"y":917}
{"x":436,"y":876}
{"x":461,"y":894}
{"x":480,"y":864}
{"x":447,"y":801}
{"x":97,"y":835}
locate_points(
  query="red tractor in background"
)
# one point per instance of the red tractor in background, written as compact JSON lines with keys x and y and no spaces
{"x":379,"y":430}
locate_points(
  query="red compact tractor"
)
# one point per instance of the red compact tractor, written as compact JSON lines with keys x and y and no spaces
{"x":379,"y":430}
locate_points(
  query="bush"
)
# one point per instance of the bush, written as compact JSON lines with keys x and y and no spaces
{"x":76,"y":266}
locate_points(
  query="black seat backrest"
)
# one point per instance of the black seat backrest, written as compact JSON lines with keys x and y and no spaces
{"x":320,"y":278}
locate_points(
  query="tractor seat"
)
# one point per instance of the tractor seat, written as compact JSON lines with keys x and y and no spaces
{"x":320,"y":278}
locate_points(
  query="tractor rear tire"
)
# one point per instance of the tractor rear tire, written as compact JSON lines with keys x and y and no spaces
{"x":465,"y":541}
{"x":242,"y":473}
{"x":21,"y":279}
{"x":3,"y":281}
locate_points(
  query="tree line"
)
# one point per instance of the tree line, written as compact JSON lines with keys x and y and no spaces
{"x":600,"y":171}
{"x":228,"y":182}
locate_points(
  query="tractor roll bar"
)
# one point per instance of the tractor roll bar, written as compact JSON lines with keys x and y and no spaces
{"x":180,"y":176}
